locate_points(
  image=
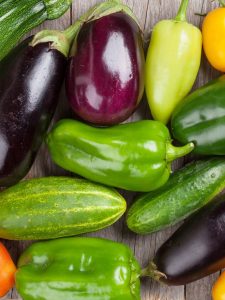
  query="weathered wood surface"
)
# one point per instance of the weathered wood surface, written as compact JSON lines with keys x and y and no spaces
{"x":148,"y":12}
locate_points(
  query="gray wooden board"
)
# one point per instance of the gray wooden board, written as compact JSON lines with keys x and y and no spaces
{"x":148,"y":12}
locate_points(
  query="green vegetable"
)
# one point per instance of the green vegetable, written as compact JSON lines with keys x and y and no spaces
{"x":201,"y":119}
{"x":78,"y":268}
{"x":187,"y":190}
{"x":17,"y":17}
{"x":135,"y":156}
{"x":53,"y":207}
{"x":172,"y":65}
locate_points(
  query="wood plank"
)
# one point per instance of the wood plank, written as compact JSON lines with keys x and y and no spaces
{"x":149,"y":12}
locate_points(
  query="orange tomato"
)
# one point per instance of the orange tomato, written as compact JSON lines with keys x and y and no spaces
{"x":7,"y":271}
{"x":218,"y":291}
{"x":213,"y":31}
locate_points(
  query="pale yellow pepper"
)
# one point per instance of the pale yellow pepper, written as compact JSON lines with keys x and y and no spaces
{"x":172,"y":65}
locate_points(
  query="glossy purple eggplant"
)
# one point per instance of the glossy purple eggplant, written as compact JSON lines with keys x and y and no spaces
{"x":105,"y":79}
{"x":195,"y":250}
{"x":30,"y":81}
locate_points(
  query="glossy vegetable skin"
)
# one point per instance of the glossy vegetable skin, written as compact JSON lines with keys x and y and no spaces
{"x":186,"y":191}
{"x":18,"y":17}
{"x":196,"y":249}
{"x":135,"y":156}
{"x":31,"y":210}
{"x":218,"y":291}
{"x":30,"y":81}
{"x":213,"y":31}
{"x":172,"y":64}
{"x":78,"y":268}
{"x":200,"y":119}
{"x":105,"y":82}
{"x":7,"y":271}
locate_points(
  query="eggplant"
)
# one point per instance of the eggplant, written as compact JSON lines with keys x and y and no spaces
{"x":31,"y":77}
{"x":195,"y":250}
{"x":105,"y":80}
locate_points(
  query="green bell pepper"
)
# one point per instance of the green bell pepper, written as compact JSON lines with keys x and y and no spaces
{"x":172,"y":64}
{"x":200,"y":119}
{"x":135,"y":156}
{"x":78,"y":269}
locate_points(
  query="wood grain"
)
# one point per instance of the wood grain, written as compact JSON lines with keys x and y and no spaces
{"x":148,"y":12}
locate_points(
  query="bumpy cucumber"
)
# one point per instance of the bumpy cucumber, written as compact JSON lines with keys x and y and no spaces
{"x":17,"y":17}
{"x":54,"y":207}
{"x":187,"y":190}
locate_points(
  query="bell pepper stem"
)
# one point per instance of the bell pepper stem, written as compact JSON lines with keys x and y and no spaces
{"x":151,"y":271}
{"x":173,"y":152}
{"x":182,"y":13}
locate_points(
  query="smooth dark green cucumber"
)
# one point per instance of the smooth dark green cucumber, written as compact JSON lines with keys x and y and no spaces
{"x":187,"y":190}
{"x":54,"y":207}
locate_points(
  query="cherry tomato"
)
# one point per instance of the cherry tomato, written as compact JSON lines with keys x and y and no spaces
{"x":218,"y":291}
{"x":7,"y":271}
{"x":213,"y":31}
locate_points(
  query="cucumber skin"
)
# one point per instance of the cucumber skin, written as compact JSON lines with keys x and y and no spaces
{"x":18,"y":17}
{"x":187,"y":190}
{"x":53,"y":207}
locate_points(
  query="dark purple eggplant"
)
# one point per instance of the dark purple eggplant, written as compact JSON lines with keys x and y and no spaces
{"x":31,"y":77}
{"x":105,"y":81}
{"x":195,"y":250}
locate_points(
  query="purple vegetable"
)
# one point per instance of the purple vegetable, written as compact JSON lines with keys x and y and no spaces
{"x":31,"y":76}
{"x":195,"y":250}
{"x":30,"y":81}
{"x":105,"y":82}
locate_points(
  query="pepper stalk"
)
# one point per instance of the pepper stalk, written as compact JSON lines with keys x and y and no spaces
{"x":182,"y":13}
{"x":173,"y":152}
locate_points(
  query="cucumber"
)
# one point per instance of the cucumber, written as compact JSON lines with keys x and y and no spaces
{"x":17,"y":17}
{"x":54,"y":207}
{"x":187,"y":190}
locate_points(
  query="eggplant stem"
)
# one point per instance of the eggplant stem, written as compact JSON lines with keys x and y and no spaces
{"x":62,"y":40}
{"x":72,"y":31}
{"x":57,"y":39}
{"x":182,"y":13}
{"x":151,"y":271}
{"x":173,"y":152}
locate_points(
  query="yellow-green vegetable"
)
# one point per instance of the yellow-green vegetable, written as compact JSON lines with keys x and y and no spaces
{"x":172,"y":64}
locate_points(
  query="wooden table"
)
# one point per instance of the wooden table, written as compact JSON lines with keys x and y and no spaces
{"x":148,"y":12}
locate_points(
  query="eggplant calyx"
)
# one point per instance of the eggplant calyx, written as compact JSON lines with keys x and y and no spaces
{"x":173,"y":152}
{"x":152,"y":271}
{"x":107,"y":8}
{"x":57,"y":40}
{"x":101,"y":10}
{"x":56,"y":8}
